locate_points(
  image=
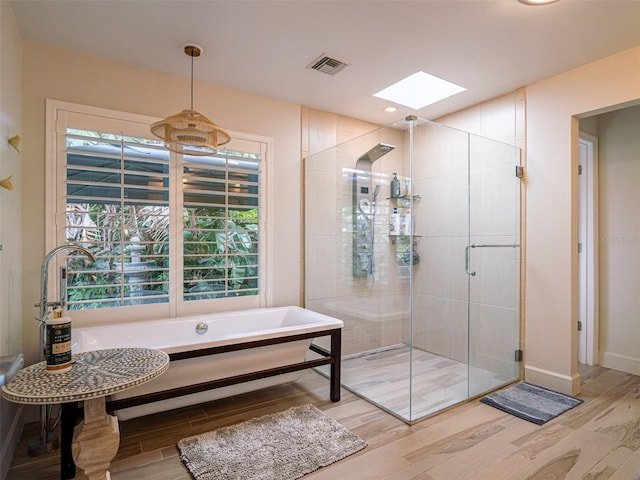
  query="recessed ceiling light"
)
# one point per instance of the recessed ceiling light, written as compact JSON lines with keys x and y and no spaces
{"x":419,"y":90}
{"x":390,"y":109}
{"x":538,"y":2}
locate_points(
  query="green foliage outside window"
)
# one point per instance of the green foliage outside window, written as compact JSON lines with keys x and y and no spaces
{"x":220,"y":254}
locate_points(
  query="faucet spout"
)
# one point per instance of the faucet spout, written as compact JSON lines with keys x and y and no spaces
{"x":44,"y":274}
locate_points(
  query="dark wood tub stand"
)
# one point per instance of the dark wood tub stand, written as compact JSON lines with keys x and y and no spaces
{"x":72,"y":412}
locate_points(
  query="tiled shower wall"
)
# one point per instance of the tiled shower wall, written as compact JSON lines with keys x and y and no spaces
{"x":469,"y":195}
{"x":440,"y":282}
{"x":494,"y":303}
{"x":376,"y":309}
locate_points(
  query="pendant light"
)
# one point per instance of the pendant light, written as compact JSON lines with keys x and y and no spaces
{"x":190,"y":132}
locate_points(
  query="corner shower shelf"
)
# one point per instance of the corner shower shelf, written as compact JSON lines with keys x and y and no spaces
{"x":405,"y":239}
{"x":405,"y":197}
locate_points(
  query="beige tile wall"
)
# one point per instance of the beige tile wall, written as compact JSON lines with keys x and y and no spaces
{"x":497,"y":216}
{"x":440,"y":288}
{"x":373,"y":308}
{"x":376,"y":310}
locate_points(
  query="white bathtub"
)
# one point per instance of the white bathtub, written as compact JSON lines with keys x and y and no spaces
{"x":230,"y":328}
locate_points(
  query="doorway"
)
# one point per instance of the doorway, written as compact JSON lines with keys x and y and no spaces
{"x":609,"y":237}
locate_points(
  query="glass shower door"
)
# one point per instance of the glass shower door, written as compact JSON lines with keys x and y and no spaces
{"x":492,"y":258}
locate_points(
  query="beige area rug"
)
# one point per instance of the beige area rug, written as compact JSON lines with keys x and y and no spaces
{"x":281,"y":446}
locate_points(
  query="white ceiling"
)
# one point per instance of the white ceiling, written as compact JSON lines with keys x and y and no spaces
{"x":490,"y":47}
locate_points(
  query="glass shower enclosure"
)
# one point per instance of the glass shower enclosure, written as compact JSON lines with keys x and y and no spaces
{"x":412,"y":238}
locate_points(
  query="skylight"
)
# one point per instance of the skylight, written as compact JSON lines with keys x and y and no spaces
{"x":419,"y":90}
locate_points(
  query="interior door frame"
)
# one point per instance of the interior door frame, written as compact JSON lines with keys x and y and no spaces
{"x":588,"y":288}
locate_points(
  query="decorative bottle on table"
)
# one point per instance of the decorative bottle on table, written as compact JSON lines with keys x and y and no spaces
{"x":58,"y":343}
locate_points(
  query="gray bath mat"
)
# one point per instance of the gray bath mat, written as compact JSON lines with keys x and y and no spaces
{"x":532,"y":403}
{"x":280,"y":446}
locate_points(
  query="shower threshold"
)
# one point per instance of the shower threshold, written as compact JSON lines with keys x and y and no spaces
{"x":413,"y":385}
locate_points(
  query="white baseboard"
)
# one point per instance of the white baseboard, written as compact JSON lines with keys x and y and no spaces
{"x":559,"y":382}
{"x":619,"y":362}
{"x":10,"y":442}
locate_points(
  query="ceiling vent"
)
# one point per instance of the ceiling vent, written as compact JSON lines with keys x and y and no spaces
{"x":329,"y":65}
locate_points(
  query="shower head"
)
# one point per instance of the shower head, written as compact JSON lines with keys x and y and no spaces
{"x":376,"y":192}
{"x":376,"y":152}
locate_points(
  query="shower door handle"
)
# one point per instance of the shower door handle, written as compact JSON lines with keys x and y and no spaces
{"x":467,"y":261}
{"x":468,"y":248}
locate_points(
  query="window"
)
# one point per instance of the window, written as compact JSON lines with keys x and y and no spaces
{"x":221,"y":225}
{"x":170,"y":233}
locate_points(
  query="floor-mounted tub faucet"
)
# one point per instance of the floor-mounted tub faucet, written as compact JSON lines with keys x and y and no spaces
{"x":48,"y":440}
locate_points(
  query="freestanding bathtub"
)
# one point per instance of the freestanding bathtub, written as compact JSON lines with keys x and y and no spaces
{"x":217,"y":355}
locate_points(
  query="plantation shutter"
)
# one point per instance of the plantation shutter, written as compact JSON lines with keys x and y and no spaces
{"x":117,"y":191}
{"x":221,"y":196}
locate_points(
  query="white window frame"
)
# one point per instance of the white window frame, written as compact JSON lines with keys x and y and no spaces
{"x":55,"y":221}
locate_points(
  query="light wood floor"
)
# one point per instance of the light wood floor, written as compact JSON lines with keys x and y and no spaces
{"x":598,"y":440}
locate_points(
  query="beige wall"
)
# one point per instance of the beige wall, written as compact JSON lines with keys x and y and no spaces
{"x":553,"y":106}
{"x":619,"y":238}
{"x":10,"y":219}
{"x":59,"y":74}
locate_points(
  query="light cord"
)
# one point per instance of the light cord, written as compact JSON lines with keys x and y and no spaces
{"x":192,"y":81}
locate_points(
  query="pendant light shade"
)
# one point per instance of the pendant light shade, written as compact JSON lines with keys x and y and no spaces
{"x":190,"y":132}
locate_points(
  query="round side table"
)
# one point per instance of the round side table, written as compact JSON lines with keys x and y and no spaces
{"x":93,"y":376}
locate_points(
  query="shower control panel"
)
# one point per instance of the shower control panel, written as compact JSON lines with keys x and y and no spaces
{"x":364,"y":209}
{"x":363,"y":215}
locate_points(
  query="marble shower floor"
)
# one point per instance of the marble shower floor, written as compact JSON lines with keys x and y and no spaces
{"x":383,"y":378}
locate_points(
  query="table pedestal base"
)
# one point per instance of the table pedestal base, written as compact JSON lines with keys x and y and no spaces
{"x":93,"y":376}
{"x":96,"y":440}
